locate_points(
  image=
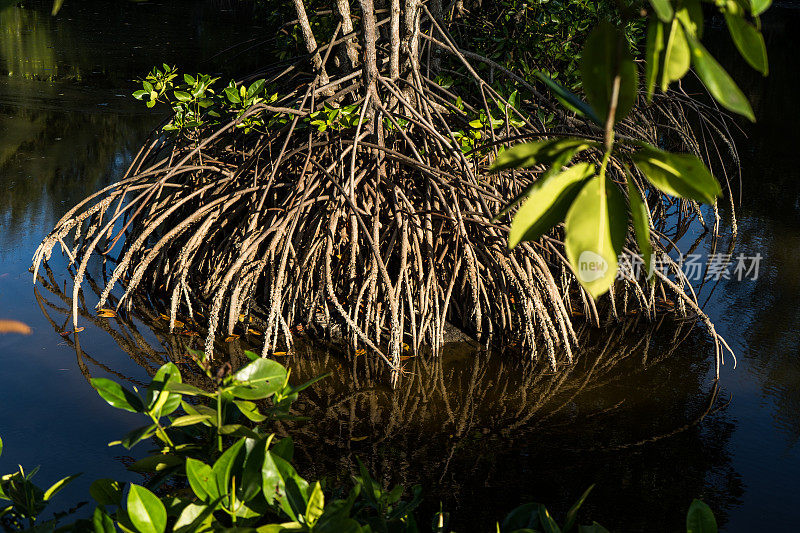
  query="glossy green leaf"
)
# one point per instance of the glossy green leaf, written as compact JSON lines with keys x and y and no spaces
{"x":548,"y":523}
{"x":718,"y":82}
{"x":655,"y":44}
{"x":195,"y":517}
{"x":250,"y":478}
{"x":759,"y":6}
{"x":316,"y":504}
{"x":250,"y":410}
{"x":522,"y":518}
{"x":102,"y":522}
{"x":57,"y":486}
{"x":275,"y":472}
{"x":677,"y":57}
{"x":184,"y":388}
{"x":568,"y":99}
{"x":596,"y":226}
{"x":156,"y":463}
{"x":749,"y":42}
{"x":545,"y":152}
{"x":224,"y":466}
{"x":690,"y":15}
{"x":641,"y":223}
{"x":183,"y":96}
{"x":259,"y":379}
{"x":572,"y":514}
{"x":1,"y":446}
{"x":284,"y":448}
{"x":117,"y":396}
{"x":159,"y":401}
{"x":547,"y":204}
{"x":700,"y":518}
{"x":296,"y":500}
{"x":606,"y":56}
{"x":137,"y":435}
{"x":663,"y":9}
{"x":189,"y":420}
{"x":201,"y":479}
{"x":106,"y":491}
{"x":681,"y":175}
{"x":255,"y":88}
{"x":146,"y":511}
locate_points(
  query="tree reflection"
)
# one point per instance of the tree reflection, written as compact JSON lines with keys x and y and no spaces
{"x":482,"y":431}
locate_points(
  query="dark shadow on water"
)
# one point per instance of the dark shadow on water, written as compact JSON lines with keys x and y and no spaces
{"x":483,"y":432}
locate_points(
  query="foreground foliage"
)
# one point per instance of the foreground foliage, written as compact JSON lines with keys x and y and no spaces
{"x":217,"y":467}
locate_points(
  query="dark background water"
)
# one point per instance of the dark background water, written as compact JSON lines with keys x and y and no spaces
{"x":480,"y":433}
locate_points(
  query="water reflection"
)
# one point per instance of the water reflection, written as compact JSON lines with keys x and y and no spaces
{"x":482,"y":432}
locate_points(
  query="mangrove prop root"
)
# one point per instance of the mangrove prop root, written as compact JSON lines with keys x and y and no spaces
{"x":381,"y":231}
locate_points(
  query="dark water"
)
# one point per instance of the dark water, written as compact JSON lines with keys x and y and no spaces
{"x":638,"y":415}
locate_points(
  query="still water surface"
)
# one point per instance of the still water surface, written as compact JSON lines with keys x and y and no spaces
{"x":480,"y":433}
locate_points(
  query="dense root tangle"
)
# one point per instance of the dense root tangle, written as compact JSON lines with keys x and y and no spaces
{"x":382,"y":230}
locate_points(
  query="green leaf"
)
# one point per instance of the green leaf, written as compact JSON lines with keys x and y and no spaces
{"x":225,"y":465}
{"x":275,"y":472}
{"x":296,"y":500}
{"x":1,"y":446}
{"x":255,"y":88}
{"x":156,"y":463}
{"x":146,"y":511}
{"x":57,"y":486}
{"x":663,"y":9}
{"x":183,"y":96}
{"x":184,"y":388}
{"x":284,"y":448}
{"x":106,"y":491}
{"x":545,"y":152}
{"x":201,"y":479}
{"x":700,"y":518}
{"x":251,"y":483}
{"x":568,"y":99}
{"x":137,"y":435}
{"x":117,"y":396}
{"x":718,"y":82}
{"x":681,"y":175}
{"x":548,"y":202}
{"x":572,"y":514}
{"x":749,"y":42}
{"x":594,"y":528}
{"x":606,"y":56}
{"x":316,"y":504}
{"x":189,"y":79}
{"x":690,"y":15}
{"x":195,"y":517}
{"x":548,"y":524}
{"x":521,"y":518}
{"x":677,"y":57}
{"x":159,"y":401}
{"x":189,"y":420}
{"x":250,"y":410}
{"x":102,"y":522}
{"x":140,"y":94}
{"x":233,"y":95}
{"x":759,"y":6}
{"x":260,"y":379}
{"x":641,"y":223}
{"x":655,"y":44}
{"x":596,"y":226}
